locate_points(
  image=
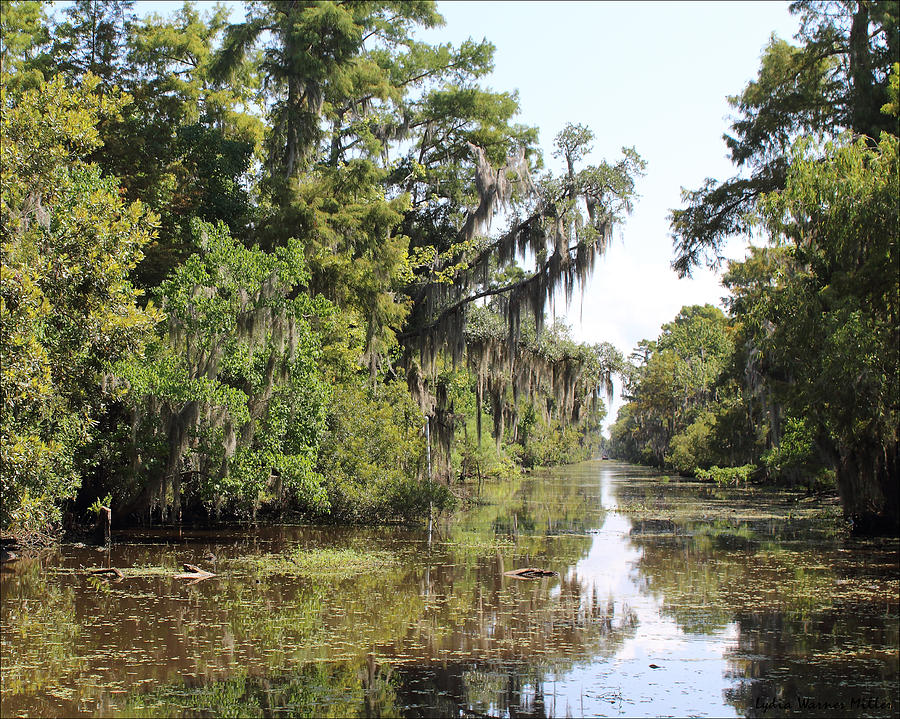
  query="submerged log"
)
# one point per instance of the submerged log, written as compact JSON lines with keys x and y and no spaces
{"x":192,"y":571}
{"x":529,"y":573}
{"x":109,"y":570}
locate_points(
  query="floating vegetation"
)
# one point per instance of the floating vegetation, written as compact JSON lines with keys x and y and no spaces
{"x":339,"y":616}
{"x":470,"y":544}
{"x":746,"y":513}
{"x":333,"y":563}
{"x":135,"y":572}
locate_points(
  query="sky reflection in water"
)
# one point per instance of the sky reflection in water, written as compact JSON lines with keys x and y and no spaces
{"x":672,"y":598}
{"x":687,"y":678}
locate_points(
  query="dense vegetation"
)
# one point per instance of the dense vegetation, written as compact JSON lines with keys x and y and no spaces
{"x":800,"y":382}
{"x":249,"y":265}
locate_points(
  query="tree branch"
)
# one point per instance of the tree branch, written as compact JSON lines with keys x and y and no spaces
{"x":491,"y":292}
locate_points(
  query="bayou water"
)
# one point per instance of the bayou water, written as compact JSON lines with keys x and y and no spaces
{"x":671,"y":597}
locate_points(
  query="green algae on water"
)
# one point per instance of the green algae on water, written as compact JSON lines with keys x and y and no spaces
{"x":328,"y":562}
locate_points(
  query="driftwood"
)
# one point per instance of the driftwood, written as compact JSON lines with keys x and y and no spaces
{"x":109,"y":570}
{"x":529,"y":573}
{"x":191,"y":571}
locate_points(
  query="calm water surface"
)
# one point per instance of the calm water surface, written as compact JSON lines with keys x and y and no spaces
{"x":672,"y":598}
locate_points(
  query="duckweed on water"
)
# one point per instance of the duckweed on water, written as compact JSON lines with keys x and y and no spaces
{"x":333,"y":563}
{"x":140,"y":571}
{"x":345,"y":621}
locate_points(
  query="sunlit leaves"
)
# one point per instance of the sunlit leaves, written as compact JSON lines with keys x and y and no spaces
{"x":234,"y":391}
{"x":836,"y":78}
{"x":68,"y":310}
{"x":671,"y":389}
{"x":833,"y":319}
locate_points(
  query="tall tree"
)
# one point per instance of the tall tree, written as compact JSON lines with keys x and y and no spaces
{"x":24,"y":43}
{"x":230,"y":403}
{"x":93,"y":39}
{"x":67,"y":308}
{"x":390,"y":162}
{"x":833,"y":320}
{"x":835,"y":79}
{"x":567,"y":226}
{"x":182,"y":146}
{"x":315,"y":62}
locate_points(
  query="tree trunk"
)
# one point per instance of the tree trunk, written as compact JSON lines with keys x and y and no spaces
{"x":176,"y":496}
{"x":869,"y":487}
{"x":862,"y":111}
{"x":104,"y":526}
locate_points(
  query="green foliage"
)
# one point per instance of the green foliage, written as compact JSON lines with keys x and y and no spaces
{"x":357,"y":259}
{"x":482,"y":460}
{"x":67,"y":308}
{"x":99,"y":504}
{"x":24,"y":42}
{"x":183,"y":146}
{"x":195,"y":172}
{"x":835,"y":315}
{"x":693,"y":447}
{"x":551,"y":444}
{"x":727,"y":475}
{"x":92,"y":41}
{"x":320,"y":188}
{"x":543,"y":382}
{"x":233,"y":396}
{"x":316,"y":64}
{"x":549,"y":414}
{"x":676,"y":379}
{"x":836,"y":78}
{"x":892,"y":106}
{"x":389,"y":162}
{"x":808,"y":373}
{"x":795,"y":460}
{"x":372,"y":455}
{"x":173,"y":57}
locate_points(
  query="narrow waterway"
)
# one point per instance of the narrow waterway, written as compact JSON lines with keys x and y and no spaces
{"x":671,"y":598}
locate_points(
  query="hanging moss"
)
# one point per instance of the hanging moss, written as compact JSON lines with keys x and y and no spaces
{"x":567,"y":229}
{"x":235,"y":342}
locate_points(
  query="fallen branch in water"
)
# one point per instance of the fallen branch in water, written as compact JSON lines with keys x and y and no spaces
{"x":194,"y":572}
{"x":529,"y":573}
{"x":109,"y":570}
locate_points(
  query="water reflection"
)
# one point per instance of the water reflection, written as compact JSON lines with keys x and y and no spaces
{"x":666,"y":602}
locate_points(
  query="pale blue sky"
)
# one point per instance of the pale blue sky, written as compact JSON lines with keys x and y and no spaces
{"x":650,"y":74}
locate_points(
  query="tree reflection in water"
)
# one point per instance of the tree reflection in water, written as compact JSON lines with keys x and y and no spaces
{"x":815,"y":612}
{"x":733,"y":609}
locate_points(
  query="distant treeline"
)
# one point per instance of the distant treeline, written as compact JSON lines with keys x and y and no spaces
{"x":799,"y":383}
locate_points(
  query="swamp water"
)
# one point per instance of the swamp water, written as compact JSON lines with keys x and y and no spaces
{"x":672,"y":598}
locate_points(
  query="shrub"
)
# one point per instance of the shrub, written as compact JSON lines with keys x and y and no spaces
{"x":372,"y":455}
{"x":727,"y":475}
{"x":691,"y":448}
